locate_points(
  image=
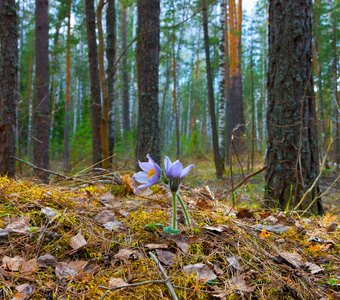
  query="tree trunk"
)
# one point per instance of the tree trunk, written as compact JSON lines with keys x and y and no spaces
{"x":8,"y":84}
{"x":94,"y":81}
{"x":67,"y":95}
{"x":235,"y":125}
{"x":222,"y":85}
{"x":104,"y":89}
{"x":41,"y":105}
{"x":147,"y":73}
{"x":125,"y":72}
{"x":110,"y":57}
{"x":292,"y":155}
{"x":211,"y":100}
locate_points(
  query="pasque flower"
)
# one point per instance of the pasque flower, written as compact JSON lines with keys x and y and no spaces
{"x":150,"y":174}
{"x":174,"y":176}
{"x":175,"y":173}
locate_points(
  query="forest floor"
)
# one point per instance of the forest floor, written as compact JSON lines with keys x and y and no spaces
{"x":86,"y":239}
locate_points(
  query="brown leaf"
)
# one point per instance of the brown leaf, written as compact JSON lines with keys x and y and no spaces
{"x":105,"y":216}
{"x":107,"y":199}
{"x":63,"y":270}
{"x":12,"y":263}
{"x":240,"y":283}
{"x":166,"y":257}
{"x":182,"y":243}
{"x":204,"y":204}
{"x":313,"y":268}
{"x":202,"y":271}
{"x":24,"y":292}
{"x":125,"y":254}
{"x":46,"y":260}
{"x":292,"y":258}
{"x":233,"y":261}
{"x":116,"y":282}
{"x":78,"y":241}
{"x":244,"y":213}
{"x":19,"y":225}
{"x":128,"y":183}
{"x":29,"y":266}
{"x":216,"y":228}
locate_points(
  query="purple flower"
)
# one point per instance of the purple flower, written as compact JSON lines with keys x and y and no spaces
{"x":150,"y":174}
{"x":175,"y":173}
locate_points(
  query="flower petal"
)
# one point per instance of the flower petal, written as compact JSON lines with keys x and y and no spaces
{"x":145,"y":166}
{"x":167,"y":164}
{"x":141,"y":177}
{"x":186,"y":170}
{"x":175,"y":170}
{"x":144,"y":186}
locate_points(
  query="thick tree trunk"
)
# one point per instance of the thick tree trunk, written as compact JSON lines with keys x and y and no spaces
{"x":125,"y":71}
{"x":8,"y":84}
{"x":292,"y":155}
{"x":218,"y":166}
{"x":94,"y":81}
{"x":41,"y":105}
{"x":147,"y":73}
{"x":110,"y":57}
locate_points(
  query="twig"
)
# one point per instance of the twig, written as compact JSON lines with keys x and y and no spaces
{"x":245,"y":179}
{"x":165,"y":277}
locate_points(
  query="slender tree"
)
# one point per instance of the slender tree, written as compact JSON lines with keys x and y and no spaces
{"x":8,"y":84}
{"x":147,"y":75}
{"x":68,"y":94}
{"x":94,"y":82}
{"x":41,"y":104}
{"x":110,"y":71}
{"x":125,"y":72}
{"x":218,"y":165}
{"x":292,"y":153}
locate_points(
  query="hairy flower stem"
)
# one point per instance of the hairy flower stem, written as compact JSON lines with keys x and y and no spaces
{"x":185,"y":211}
{"x":174,"y":211}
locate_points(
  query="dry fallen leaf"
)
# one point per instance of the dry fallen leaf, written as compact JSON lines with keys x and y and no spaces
{"x":244,"y":213}
{"x":240,"y":283}
{"x":216,"y":228}
{"x":105,"y":216}
{"x":328,"y":219}
{"x":202,"y":271}
{"x":46,"y":260}
{"x":24,"y":292}
{"x":292,"y":258}
{"x":204,"y":204}
{"x":264,"y":234}
{"x":12,"y":263}
{"x":182,"y":243}
{"x":29,"y":266}
{"x":128,"y":183}
{"x":19,"y":225}
{"x":165,"y":256}
{"x":115,"y":225}
{"x":313,"y":268}
{"x":78,"y":241}
{"x":125,"y":254}
{"x":233,"y":261}
{"x":116,"y":282}
{"x":315,"y":247}
{"x":63,"y":270}
{"x":48,"y":212}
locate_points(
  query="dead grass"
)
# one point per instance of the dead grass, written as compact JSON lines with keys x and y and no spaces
{"x":246,"y":263}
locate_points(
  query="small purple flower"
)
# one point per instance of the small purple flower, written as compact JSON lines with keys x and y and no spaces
{"x":175,"y":173}
{"x":150,"y":174}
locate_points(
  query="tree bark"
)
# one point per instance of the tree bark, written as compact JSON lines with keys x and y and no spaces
{"x":218,"y":166}
{"x":110,"y":72}
{"x":292,"y":155}
{"x":147,"y":73}
{"x":125,"y":72}
{"x":67,"y":95}
{"x":41,"y":104}
{"x":94,"y":82}
{"x":8,"y":85}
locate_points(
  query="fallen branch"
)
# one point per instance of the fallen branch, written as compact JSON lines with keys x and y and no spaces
{"x":127,"y":286}
{"x":164,"y":275}
{"x":245,"y":179}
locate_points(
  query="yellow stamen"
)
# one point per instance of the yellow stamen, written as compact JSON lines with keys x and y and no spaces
{"x":151,"y":172}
